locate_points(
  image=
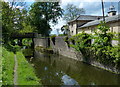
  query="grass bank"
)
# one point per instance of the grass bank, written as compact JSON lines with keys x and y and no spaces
{"x":25,"y":72}
{"x":7,"y":67}
{"x":0,"y":66}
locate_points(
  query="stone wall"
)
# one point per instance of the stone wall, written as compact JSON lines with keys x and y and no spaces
{"x":61,"y":47}
{"x":44,"y":42}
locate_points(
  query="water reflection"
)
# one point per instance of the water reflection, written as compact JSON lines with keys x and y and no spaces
{"x":68,"y":80}
{"x":59,"y":70}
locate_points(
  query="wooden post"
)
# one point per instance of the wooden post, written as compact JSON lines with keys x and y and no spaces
{"x":103,"y":10}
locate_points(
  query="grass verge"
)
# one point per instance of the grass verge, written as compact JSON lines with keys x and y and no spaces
{"x":0,"y":65}
{"x":7,"y":67}
{"x":26,"y":74}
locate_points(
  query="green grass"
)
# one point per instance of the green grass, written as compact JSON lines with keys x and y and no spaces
{"x":7,"y":67}
{"x":26,"y":74}
{"x":0,"y":66}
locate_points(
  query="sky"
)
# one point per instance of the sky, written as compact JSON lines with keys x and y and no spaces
{"x":91,"y":8}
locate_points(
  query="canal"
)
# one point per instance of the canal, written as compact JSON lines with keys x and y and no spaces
{"x":54,"y":69}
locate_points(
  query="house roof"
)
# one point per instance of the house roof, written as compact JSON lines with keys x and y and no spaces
{"x":86,"y":18}
{"x":96,"y":22}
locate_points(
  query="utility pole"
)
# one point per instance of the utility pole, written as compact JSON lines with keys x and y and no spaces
{"x":103,"y":10}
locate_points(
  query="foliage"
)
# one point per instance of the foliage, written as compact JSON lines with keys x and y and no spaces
{"x":116,"y":36}
{"x":101,"y":37}
{"x":62,"y":35}
{"x":26,"y":29}
{"x":115,"y":53}
{"x":14,"y":20}
{"x":7,"y":21}
{"x":27,"y":52}
{"x":27,"y":42}
{"x":44,"y":50}
{"x":25,"y":78}
{"x":66,"y":38}
{"x":82,"y":40}
{"x":7,"y":67}
{"x":102,"y":43}
{"x":10,"y":46}
{"x":52,"y":36}
{"x":72,"y":11}
{"x":65,"y":29}
{"x":1,"y":59}
{"x":41,"y":14}
{"x":101,"y":49}
{"x":15,"y":4}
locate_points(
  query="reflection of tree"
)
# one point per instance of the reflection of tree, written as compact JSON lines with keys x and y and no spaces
{"x":68,"y":69}
{"x":54,"y":64}
{"x":84,"y":74}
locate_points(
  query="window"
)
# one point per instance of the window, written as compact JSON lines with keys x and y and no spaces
{"x":72,"y":32}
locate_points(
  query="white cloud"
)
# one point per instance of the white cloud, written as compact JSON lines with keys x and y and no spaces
{"x":92,"y":7}
{"x":20,"y":7}
{"x":61,"y":22}
{"x":81,"y":5}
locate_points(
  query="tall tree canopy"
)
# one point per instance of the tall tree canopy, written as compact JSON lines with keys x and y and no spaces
{"x":42,"y":13}
{"x":14,"y":20}
{"x":7,"y":21}
{"x":72,"y":11}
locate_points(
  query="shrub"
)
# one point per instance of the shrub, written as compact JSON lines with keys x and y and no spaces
{"x":81,"y":41}
{"x":102,"y":49}
{"x":62,"y":35}
{"x":52,"y":36}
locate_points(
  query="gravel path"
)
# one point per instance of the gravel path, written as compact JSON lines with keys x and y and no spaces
{"x":15,"y":70}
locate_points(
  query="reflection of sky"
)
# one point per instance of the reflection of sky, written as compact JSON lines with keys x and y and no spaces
{"x":68,"y":80}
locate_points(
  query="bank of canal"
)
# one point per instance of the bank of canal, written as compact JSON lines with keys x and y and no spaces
{"x":58,"y":70}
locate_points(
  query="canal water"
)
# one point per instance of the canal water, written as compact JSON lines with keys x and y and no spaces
{"x":58,"y":70}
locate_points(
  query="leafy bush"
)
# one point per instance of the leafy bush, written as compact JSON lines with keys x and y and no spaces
{"x":62,"y":35}
{"x":27,"y":42}
{"x":66,"y":39}
{"x":52,"y":36}
{"x":82,"y":40}
{"x":10,"y":46}
{"x":101,"y":49}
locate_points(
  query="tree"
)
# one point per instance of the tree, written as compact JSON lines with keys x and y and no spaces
{"x":14,"y":20}
{"x":65,"y":29}
{"x":72,"y":11}
{"x":7,"y":21}
{"x":42,"y":13}
{"x":18,"y":4}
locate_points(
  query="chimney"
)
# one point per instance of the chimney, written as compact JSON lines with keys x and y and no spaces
{"x":112,"y":11}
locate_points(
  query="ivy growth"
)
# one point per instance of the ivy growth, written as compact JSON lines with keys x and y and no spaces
{"x":82,"y":40}
{"x":101,"y":49}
